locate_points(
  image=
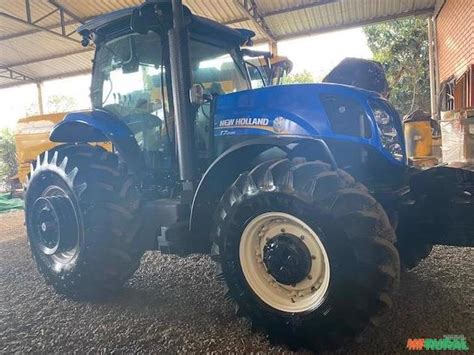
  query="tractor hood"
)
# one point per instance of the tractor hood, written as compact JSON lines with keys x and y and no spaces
{"x":286,"y":109}
{"x":333,"y":112}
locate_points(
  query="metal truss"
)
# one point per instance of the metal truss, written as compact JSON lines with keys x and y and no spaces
{"x":251,"y":9}
{"x":59,"y":29}
{"x":11,"y":74}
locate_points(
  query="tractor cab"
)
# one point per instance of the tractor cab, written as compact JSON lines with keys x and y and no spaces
{"x":132,"y":79}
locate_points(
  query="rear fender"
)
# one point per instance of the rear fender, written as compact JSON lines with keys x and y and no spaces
{"x":100,"y":126}
{"x":239,"y":158}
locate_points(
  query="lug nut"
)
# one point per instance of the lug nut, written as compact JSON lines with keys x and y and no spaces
{"x":283,"y":230}
{"x":302,"y":237}
{"x":313,"y":257}
{"x":310,"y":277}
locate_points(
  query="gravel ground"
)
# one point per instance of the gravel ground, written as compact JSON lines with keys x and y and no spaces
{"x":174,"y":305}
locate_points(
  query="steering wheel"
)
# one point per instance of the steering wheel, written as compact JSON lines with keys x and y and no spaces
{"x":141,"y":121}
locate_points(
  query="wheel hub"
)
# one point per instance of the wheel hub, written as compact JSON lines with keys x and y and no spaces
{"x":54,"y":224}
{"x":284,"y":262}
{"x":287,"y":259}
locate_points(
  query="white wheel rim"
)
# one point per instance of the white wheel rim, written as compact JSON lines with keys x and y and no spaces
{"x":306,"y":295}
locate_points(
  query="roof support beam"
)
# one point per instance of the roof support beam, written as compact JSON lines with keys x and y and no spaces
{"x":420,"y":12}
{"x":30,"y":32}
{"x":66,"y":11}
{"x":28,"y":10}
{"x":8,"y":73}
{"x":299,"y":7}
{"x":38,"y":27}
{"x":282,"y":11}
{"x":50,"y":57}
{"x":45,"y":78}
{"x":254,"y":14}
{"x":34,"y":24}
{"x":45,"y":16}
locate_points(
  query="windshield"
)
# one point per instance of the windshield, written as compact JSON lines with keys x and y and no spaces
{"x":265,"y":72}
{"x":129,"y":70}
{"x":258,"y":71}
{"x":216,"y":69}
{"x":132,"y":80}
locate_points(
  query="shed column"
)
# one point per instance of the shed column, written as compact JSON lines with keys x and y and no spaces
{"x":39,"y":88}
{"x":433,"y":64}
{"x":273,"y":48}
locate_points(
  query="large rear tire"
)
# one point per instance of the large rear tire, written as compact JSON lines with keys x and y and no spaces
{"x":82,"y":221}
{"x":306,"y":252}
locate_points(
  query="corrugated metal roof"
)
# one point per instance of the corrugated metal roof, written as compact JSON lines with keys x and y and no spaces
{"x":37,"y":42}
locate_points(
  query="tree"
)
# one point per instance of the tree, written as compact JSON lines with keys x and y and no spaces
{"x":55,"y":104}
{"x":32,"y":110}
{"x":299,"y":78}
{"x":402,"y":48}
{"x":8,"y":161}
{"x":61,"y":103}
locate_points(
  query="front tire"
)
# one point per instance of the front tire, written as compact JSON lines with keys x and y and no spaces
{"x":82,"y":221}
{"x":320,"y":242}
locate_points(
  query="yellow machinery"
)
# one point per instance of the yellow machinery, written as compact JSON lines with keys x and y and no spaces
{"x":419,"y":139}
{"x":32,"y":139}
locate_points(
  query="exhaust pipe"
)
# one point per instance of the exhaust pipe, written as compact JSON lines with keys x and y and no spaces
{"x":183,"y":111}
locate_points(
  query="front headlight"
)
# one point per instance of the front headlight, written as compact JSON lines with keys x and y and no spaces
{"x":387,"y":131}
{"x":382,"y":117}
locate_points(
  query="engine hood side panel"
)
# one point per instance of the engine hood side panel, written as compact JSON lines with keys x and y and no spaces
{"x":286,"y":109}
{"x":291,"y":110}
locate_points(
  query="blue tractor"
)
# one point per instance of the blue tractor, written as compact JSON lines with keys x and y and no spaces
{"x":298,"y":192}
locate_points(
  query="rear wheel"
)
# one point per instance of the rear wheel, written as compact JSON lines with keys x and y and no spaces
{"x":82,"y":221}
{"x":306,"y":252}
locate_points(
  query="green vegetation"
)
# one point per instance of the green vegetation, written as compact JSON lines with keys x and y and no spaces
{"x":8,"y":161}
{"x":54,"y":104}
{"x":402,"y":47}
{"x":61,"y":103}
{"x":299,"y":78}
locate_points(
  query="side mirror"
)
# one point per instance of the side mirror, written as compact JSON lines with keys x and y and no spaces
{"x":196,"y":95}
{"x":144,"y":18}
{"x":137,"y":22}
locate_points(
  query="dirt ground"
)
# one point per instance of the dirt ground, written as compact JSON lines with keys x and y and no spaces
{"x":174,"y":305}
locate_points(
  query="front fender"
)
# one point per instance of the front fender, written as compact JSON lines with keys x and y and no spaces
{"x":237,"y":159}
{"x":99,"y":126}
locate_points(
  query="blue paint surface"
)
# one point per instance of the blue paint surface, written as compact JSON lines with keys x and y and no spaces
{"x":106,"y":126}
{"x":296,"y":110}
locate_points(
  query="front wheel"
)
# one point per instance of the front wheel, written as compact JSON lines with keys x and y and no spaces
{"x":82,"y":221}
{"x":306,"y":252}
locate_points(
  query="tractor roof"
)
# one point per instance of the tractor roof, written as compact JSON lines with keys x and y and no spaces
{"x":119,"y":21}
